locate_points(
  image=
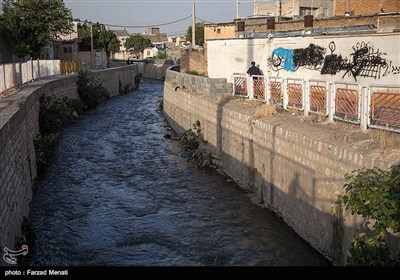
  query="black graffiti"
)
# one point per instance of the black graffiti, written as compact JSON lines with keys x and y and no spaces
{"x":396,"y":70}
{"x":311,"y":57}
{"x":366,"y":62}
{"x":333,"y":63}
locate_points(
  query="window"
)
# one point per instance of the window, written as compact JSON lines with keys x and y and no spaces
{"x":67,"y":49}
{"x":218,"y":30}
{"x":307,"y":11}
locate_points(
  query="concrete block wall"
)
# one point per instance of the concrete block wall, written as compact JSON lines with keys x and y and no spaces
{"x":199,"y":84}
{"x":114,"y":76}
{"x":19,"y":126}
{"x":196,"y":59}
{"x":293,"y":173}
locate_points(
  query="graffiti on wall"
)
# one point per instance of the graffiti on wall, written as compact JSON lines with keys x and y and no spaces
{"x":311,"y":57}
{"x":364,"y":61}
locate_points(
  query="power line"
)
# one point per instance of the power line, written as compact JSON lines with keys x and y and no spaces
{"x":148,"y":25}
{"x":205,"y":20}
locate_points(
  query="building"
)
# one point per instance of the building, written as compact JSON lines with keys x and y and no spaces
{"x":154,"y":35}
{"x":363,"y":7}
{"x":295,"y":8}
{"x":176,"y":40}
{"x":219,"y":31}
{"x":123,"y":54}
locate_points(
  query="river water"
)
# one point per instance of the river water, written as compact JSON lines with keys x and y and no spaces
{"x":120,"y":194}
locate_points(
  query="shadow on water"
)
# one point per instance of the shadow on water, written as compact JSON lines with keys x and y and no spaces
{"x":118,"y":193}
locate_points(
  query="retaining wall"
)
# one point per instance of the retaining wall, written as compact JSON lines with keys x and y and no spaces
{"x":286,"y":169}
{"x":19,"y":125}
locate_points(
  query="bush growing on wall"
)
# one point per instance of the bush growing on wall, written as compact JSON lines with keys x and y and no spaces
{"x":54,"y":113}
{"x":373,"y":194}
{"x":91,"y":89}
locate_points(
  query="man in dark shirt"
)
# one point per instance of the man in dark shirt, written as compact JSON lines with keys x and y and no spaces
{"x":254,"y":70}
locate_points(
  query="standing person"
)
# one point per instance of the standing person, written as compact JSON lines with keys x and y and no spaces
{"x":254,"y":70}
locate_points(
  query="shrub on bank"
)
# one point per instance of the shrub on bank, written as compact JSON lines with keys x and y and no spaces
{"x":91,"y":90}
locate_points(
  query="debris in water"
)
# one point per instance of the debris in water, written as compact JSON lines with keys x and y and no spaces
{"x":184,"y":155}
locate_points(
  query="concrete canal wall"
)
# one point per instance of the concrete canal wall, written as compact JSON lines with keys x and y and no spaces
{"x":287,"y":169}
{"x":19,"y":125}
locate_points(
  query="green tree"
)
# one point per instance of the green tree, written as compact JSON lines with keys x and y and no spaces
{"x":28,"y":24}
{"x":199,"y":33}
{"x":85,"y":34}
{"x":110,"y":43}
{"x":373,"y":194}
{"x":137,"y":43}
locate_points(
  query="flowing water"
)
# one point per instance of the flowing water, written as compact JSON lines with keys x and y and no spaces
{"x":120,"y":194}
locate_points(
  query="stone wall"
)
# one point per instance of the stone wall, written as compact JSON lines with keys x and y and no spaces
{"x":119,"y":76}
{"x":155,"y":70}
{"x":194,"y":60}
{"x":287,"y":169}
{"x":19,"y":125}
{"x":199,"y":84}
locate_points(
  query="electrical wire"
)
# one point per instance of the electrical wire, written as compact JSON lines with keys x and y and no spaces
{"x":148,"y":25}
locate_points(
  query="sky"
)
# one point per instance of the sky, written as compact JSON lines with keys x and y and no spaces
{"x":157,"y":12}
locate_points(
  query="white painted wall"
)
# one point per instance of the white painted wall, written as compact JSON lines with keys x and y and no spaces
{"x":226,"y":57}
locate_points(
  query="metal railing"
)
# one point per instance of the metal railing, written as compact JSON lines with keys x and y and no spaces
{"x":384,"y":106}
{"x":240,"y":84}
{"x":377,"y":106}
{"x":70,"y":67}
{"x":347,"y":105}
{"x":318,"y":96}
{"x":296,"y":96}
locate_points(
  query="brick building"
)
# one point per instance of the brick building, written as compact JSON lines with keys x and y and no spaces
{"x":154,"y":35}
{"x":295,"y":8}
{"x":220,"y":31}
{"x":363,"y":7}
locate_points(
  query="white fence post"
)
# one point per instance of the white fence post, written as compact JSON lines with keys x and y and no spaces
{"x":364,"y":109}
{"x":249,"y":87}
{"x":267,"y":93}
{"x":331,"y":101}
{"x":233,"y":85}
{"x":306,"y":97}
{"x":285,"y":94}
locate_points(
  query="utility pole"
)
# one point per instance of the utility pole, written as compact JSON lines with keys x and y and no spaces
{"x":193,"y":24}
{"x":312,"y":7}
{"x":293,"y":9}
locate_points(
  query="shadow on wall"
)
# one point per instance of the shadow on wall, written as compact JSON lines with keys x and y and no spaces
{"x":153,"y":70}
{"x":298,"y":192}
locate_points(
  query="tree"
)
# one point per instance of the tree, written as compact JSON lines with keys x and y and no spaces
{"x":85,"y":34}
{"x":138,"y":43}
{"x":373,"y":194}
{"x":110,"y":43}
{"x":28,"y":24}
{"x":199,"y":33}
